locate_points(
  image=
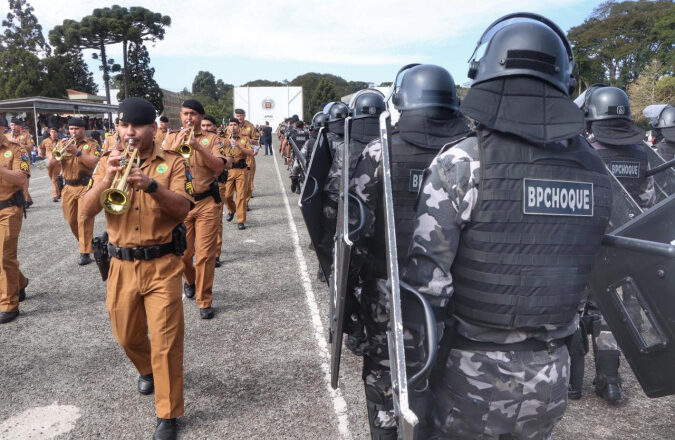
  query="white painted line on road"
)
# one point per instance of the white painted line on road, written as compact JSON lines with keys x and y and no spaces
{"x":339,"y":403}
{"x":41,"y":423}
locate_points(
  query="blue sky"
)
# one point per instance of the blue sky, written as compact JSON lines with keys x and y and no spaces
{"x":365,"y":40}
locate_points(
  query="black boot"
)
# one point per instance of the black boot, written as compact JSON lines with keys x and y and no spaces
{"x":189,"y":290}
{"x":146,"y":384}
{"x":294,"y":184}
{"x":607,"y":380}
{"x":166,"y":429}
{"x":321,"y":277}
{"x":576,"y":377}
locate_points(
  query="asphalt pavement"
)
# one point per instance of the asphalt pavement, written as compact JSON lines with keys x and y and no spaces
{"x":258,"y":370}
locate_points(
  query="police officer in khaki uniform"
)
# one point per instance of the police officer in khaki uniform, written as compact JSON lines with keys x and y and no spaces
{"x":110,"y":138}
{"x":209,"y":124}
{"x":237,"y":179}
{"x":247,"y":131}
{"x":208,"y":160}
{"x":162,"y":131}
{"x":144,"y":279}
{"x":79,"y":160}
{"x":14,"y":173}
{"x":23,"y":138}
{"x":54,"y":167}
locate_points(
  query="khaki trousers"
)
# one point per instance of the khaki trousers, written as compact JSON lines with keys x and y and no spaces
{"x":53,"y":172}
{"x":202,"y":227}
{"x":11,"y":278}
{"x":221,"y":207}
{"x":147,"y":295}
{"x":237,"y":180}
{"x":81,"y":226}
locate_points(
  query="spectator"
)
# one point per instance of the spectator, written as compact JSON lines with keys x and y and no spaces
{"x":266,"y":138}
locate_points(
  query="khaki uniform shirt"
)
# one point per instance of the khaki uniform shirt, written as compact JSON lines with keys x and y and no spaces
{"x":24,"y":139}
{"x":145,"y":224}
{"x":12,"y":157}
{"x":160,"y":136}
{"x":72,"y":167}
{"x":243,"y":143}
{"x":109,"y":142}
{"x":202,"y":176}
{"x":47,"y":146}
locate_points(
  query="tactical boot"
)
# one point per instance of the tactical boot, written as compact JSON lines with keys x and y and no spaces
{"x":166,"y":429}
{"x":189,"y":290}
{"x":298,"y":190}
{"x":84,"y":259}
{"x":294,"y":185}
{"x":607,"y":380}
{"x":321,"y":277}
{"x":146,"y":384}
{"x":576,"y":377}
{"x":218,"y":262}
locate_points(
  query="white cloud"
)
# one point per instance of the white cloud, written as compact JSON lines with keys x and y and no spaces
{"x":363,"y":32}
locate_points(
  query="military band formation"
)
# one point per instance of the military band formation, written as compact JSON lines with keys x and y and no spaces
{"x":459,"y":241}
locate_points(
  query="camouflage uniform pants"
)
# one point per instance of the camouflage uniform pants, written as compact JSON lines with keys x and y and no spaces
{"x":376,"y":370}
{"x":483,"y":395}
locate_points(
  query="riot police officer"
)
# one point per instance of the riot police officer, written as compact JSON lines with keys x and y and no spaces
{"x":428,"y":103}
{"x":299,"y":136}
{"x":306,"y":149}
{"x":508,"y":223}
{"x":664,"y":128}
{"x":618,"y":141}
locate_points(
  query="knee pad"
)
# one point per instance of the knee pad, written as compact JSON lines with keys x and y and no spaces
{"x":378,"y":402}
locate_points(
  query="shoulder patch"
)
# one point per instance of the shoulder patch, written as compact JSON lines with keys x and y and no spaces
{"x":557,"y":197}
{"x":8,"y":153}
{"x":24,"y":166}
{"x":205,"y":141}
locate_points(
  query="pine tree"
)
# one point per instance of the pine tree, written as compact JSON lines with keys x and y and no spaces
{"x":22,"y":30}
{"x":141,"y":77}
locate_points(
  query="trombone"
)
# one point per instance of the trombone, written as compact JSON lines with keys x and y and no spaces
{"x":184,"y":148}
{"x":60,"y":153}
{"x":116,"y":199}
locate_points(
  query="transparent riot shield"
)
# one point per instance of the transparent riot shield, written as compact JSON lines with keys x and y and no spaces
{"x":624,"y":208}
{"x":407,"y":419}
{"x":663,"y":173}
{"x":341,"y":259}
{"x":311,"y":198}
{"x":633,"y":283}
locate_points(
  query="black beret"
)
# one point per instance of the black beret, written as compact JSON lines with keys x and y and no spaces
{"x":238,"y":111}
{"x":137,"y":111}
{"x":233,"y":119}
{"x":117,"y":121}
{"x":53,"y":127}
{"x":3,"y":122}
{"x":163,"y":119}
{"x":194,"y":105}
{"x":211,"y":118}
{"x":16,"y":120}
{"x":77,"y":122}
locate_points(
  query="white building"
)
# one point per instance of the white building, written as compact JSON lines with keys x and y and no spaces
{"x":271,"y":104}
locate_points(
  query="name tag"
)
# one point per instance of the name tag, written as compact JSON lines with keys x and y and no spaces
{"x":415,"y":180}
{"x":557,"y":197}
{"x":625,"y":168}
{"x":300,"y":139}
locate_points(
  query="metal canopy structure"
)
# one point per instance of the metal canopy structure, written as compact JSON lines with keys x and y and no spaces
{"x":53,"y":105}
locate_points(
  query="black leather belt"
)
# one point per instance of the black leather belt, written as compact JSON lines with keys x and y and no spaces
{"x":82,"y":181}
{"x":461,"y":343}
{"x":141,"y":253}
{"x":202,"y":196}
{"x":7,"y":203}
{"x":239,"y":165}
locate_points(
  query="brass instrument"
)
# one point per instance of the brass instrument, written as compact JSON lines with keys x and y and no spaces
{"x":60,"y":153}
{"x":185,"y":149}
{"x":116,"y":199}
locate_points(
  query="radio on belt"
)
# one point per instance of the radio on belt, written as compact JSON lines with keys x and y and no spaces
{"x":557,"y":197}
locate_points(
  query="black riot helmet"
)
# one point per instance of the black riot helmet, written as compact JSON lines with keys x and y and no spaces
{"x":425,"y":86}
{"x":526,"y":44}
{"x":606,"y":103}
{"x":367,"y":103}
{"x":336,"y":111}
{"x":318,"y":120}
{"x":666,"y":118}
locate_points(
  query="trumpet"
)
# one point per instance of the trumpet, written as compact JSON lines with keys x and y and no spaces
{"x":116,"y":199}
{"x":184,"y":148}
{"x":60,"y":153}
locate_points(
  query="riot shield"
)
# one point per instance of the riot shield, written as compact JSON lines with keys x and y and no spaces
{"x":298,"y":155}
{"x":407,"y":419}
{"x":624,"y":208}
{"x":663,"y":173}
{"x":632,"y":283}
{"x":341,"y":259}
{"x":311,"y":198}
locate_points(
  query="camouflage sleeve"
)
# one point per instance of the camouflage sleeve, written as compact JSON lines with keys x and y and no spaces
{"x":332,"y":185}
{"x":647,"y":196}
{"x":365,"y":184}
{"x":444,"y":205}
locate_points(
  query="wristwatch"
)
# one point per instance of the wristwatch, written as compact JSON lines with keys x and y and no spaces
{"x":152,"y":187}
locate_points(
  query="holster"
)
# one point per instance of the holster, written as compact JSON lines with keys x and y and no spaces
{"x":222,"y":177}
{"x":101,"y":255}
{"x":179,"y":238}
{"x":215,"y":191}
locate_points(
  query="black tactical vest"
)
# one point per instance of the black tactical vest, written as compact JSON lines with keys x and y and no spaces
{"x":628,"y":163}
{"x":299,"y":137}
{"x":526,"y":254}
{"x":310,"y":145}
{"x":408,"y":163}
